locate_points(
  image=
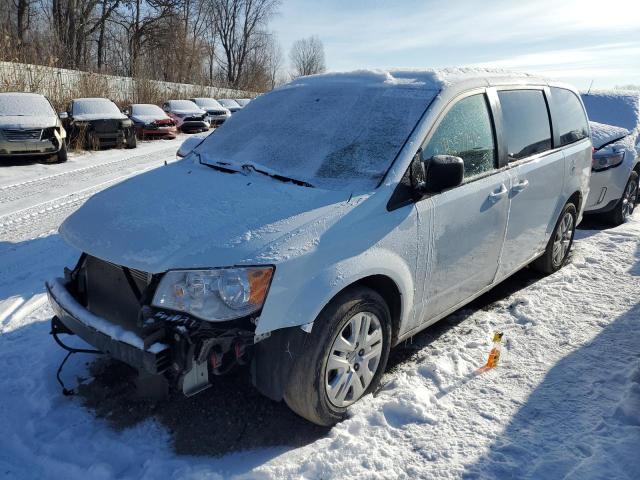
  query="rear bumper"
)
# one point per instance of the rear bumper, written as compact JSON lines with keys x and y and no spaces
{"x":115,"y":341}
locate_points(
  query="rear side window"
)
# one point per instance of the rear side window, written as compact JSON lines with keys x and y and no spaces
{"x":568,"y":116}
{"x":526,"y":122}
{"x":466,"y":131}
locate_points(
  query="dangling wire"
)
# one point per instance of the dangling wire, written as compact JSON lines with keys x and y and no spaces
{"x":55,"y":331}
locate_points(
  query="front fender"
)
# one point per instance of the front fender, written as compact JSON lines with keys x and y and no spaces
{"x":296,"y":296}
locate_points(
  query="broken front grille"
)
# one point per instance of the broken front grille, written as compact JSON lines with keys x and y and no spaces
{"x":110,"y":295}
{"x":20,"y":135}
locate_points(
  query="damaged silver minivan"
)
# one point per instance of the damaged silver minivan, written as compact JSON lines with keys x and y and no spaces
{"x":324,"y":223}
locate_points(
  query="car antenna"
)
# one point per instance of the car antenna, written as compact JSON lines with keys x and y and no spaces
{"x":590,"y":85}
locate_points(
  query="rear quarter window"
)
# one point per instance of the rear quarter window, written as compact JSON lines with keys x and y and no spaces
{"x":526,"y":122}
{"x":568,"y":116}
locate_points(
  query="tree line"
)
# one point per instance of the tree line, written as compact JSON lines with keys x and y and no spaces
{"x":209,"y":42}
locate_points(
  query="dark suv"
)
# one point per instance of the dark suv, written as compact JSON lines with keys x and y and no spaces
{"x":98,"y":122}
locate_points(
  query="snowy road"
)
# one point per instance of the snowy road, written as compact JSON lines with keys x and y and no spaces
{"x":564,"y":402}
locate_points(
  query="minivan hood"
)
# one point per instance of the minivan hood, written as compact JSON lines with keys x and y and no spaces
{"x":187,"y":215}
{"x":20,"y":122}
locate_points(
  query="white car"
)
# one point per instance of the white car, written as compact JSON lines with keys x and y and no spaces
{"x":232,"y":105}
{"x":30,"y":127}
{"x":346,"y":214}
{"x":615,"y":130}
{"x":216,"y":113}
{"x":189,"y":117}
{"x":616,"y":166}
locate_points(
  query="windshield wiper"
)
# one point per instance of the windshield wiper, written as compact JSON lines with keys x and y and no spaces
{"x":277,"y":176}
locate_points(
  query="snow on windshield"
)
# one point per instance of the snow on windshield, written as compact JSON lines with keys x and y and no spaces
{"x":619,"y":108}
{"x":24,"y":104}
{"x":92,"y":106}
{"x":335,"y":131}
{"x":228,"y":102}
{"x":183,"y":105}
{"x":147,"y":109}
{"x":208,"y":103}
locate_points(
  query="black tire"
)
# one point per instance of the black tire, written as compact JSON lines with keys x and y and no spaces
{"x":546,"y":263}
{"x":62,"y":154}
{"x":624,"y":208}
{"x":131,"y":139}
{"x":306,"y":393}
{"x":59,"y":157}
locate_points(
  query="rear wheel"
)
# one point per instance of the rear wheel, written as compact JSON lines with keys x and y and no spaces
{"x":627,"y":204}
{"x":344,"y":359}
{"x":559,"y":245}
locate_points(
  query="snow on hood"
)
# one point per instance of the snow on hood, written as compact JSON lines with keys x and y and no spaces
{"x":187,"y":215}
{"x":614,"y":107}
{"x":24,"y":104}
{"x":188,"y":112}
{"x":99,"y":116}
{"x":20,"y":122}
{"x":602,"y":134}
{"x":149,"y":118}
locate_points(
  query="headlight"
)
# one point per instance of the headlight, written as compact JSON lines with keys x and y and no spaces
{"x":126,"y":123}
{"x":602,"y":161}
{"x":215,"y":295}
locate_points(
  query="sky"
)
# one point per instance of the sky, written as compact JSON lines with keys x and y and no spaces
{"x":583,"y":42}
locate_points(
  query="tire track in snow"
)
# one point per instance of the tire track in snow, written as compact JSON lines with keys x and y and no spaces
{"x":45,"y":217}
{"x":17,"y":191}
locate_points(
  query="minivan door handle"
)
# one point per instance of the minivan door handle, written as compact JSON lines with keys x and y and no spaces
{"x":521,"y":185}
{"x":495,"y":196}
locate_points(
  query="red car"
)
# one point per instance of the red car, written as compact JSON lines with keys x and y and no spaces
{"x":189,"y":117}
{"x":150,"y":121}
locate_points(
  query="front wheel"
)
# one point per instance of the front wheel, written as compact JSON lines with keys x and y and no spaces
{"x":344,"y":357}
{"x":131,"y":139}
{"x":559,"y":245}
{"x":627,"y":204}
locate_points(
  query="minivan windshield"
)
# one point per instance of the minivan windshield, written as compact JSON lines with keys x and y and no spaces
{"x":24,"y":105}
{"x":335,"y":135}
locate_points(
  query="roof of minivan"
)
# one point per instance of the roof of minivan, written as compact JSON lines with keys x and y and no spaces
{"x":431,"y":79}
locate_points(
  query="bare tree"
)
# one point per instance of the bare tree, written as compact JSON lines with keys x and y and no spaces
{"x":239,"y":26}
{"x":307,"y":57}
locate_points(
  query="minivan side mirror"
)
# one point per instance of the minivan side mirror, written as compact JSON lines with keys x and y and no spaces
{"x":441,"y":173}
{"x":63,"y":115}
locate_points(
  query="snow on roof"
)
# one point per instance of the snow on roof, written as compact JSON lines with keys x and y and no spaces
{"x":614,"y":107}
{"x":428,"y":78}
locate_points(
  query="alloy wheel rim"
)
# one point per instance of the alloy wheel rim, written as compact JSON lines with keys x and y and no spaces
{"x":353,"y":359}
{"x":562,"y":240}
{"x":629,"y":199}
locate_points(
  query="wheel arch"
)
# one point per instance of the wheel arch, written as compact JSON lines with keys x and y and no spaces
{"x":387,"y":288}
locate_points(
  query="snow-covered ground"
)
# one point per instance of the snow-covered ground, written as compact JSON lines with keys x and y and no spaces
{"x":563,"y":403}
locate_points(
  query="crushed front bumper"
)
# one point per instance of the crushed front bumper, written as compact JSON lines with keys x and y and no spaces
{"x":111,"y":339}
{"x":28,"y":147}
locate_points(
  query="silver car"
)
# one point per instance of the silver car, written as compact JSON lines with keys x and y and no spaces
{"x":615,"y":130}
{"x":216,"y":113}
{"x":30,"y":127}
